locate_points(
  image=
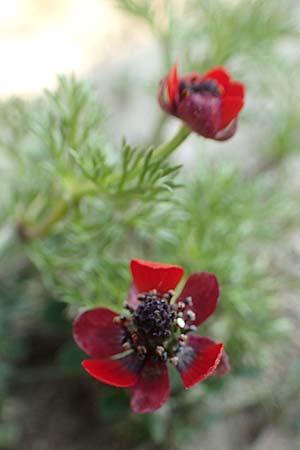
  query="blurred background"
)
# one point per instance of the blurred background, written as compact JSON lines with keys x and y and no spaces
{"x":76,"y":77}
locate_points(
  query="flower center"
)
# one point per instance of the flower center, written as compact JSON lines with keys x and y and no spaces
{"x":157,"y":329}
{"x":154,"y":318}
{"x":209,"y":86}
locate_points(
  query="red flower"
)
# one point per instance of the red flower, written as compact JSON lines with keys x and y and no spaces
{"x":133,"y":350}
{"x":209,"y":104}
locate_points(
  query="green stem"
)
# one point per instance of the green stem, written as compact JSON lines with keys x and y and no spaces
{"x":169,"y":147}
{"x":63,"y":206}
{"x":41,"y":229}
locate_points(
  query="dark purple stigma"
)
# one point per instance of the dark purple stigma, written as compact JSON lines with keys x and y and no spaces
{"x":154,"y":318}
{"x":209,"y":86}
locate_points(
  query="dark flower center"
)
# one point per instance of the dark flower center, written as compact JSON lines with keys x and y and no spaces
{"x":154,"y":318}
{"x":209,"y":86}
{"x":157,"y":329}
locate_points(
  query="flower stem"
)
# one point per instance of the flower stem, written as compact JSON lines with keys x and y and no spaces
{"x":169,"y":147}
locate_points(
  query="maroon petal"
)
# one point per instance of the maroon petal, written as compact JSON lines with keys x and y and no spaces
{"x":163,"y":98}
{"x":202,"y":342}
{"x":227,"y":132}
{"x":202,"y":113}
{"x":116,"y":372}
{"x":132,"y":300}
{"x":204,"y":289}
{"x":195,"y":364}
{"x":152,"y":389}
{"x":96,"y":333}
{"x":149,"y":275}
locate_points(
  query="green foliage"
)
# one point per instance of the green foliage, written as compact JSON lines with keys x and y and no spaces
{"x":66,"y":146}
{"x":229,"y":221}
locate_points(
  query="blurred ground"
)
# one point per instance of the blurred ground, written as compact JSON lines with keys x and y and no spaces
{"x":39,"y":39}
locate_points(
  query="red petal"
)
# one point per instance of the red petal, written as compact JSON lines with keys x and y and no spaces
{"x":152,"y":388}
{"x":195,"y":364}
{"x":235,"y":89}
{"x":173,"y":83}
{"x":230,"y":108}
{"x":219,"y":74}
{"x":149,"y":275}
{"x":96,"y":333}
{"x":116,"y":372}
{"x":202,"y":342}
{"x":204,"y":289}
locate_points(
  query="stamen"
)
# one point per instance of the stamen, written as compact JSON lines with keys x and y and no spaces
{"x":159,"y":350}
{"x":188,"y":301}
{"x":126,"y":346}
{"x":174,"y":360}
{"x":168,"y":295}
{"x":180,"y":306}
{"x":128,"y":307}
{"x":117,"y":320}
{"x":134,"y":337}
{"x":141,"y":349}
{"x":191,"y":315}
{"x":191,"y":328}
{"x":180,"y":322}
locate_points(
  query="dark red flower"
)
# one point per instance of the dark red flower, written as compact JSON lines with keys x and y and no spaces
{"x":209,"y":103}
{"x":132,"y":350}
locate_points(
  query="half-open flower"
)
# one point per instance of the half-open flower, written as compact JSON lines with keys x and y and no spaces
{"x":209,"y":104}
{"x":132,"y":350}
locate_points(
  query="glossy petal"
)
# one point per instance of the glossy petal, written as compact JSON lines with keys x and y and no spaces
{"x":115,"y":372}
{"x":96,"y":333}
{"x":230,"y":108}
{"x":152,"y":389}
{"x":220,"y":75}
{"x":149,"y":275}
{"x":173,"y":84}
{"x":202,"y":342}
{"x":235,"y":89}
{"x":196,"y":364}
{"x":204,"y":289}
{"x":202,"y":113}
{"x":227,"y":132}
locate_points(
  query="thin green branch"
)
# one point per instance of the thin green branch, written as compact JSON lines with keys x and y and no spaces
{"x":166,"y":150}
{"x":41,"y":229}
{"x":63,"y":206}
